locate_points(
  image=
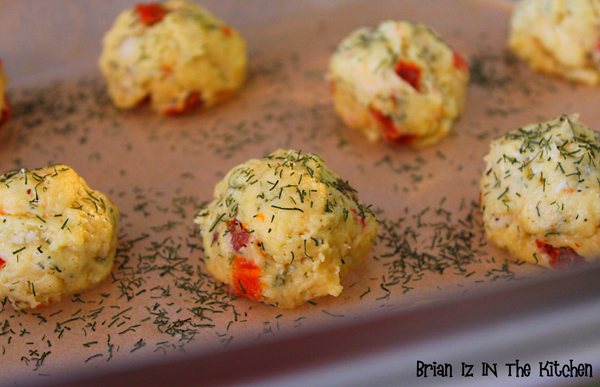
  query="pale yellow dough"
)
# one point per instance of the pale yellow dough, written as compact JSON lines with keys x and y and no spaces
{"x":58,"y":236}
{"x":285,"y":229}
{"x":186,"y":58}
{"x":559,"y":37}
{"x":400,"y":82}
{"x":540,"y":192}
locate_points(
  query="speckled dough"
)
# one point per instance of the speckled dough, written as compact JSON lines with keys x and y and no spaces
{"x":176,"y":53}
{"x":559,"y":37}
{"x":285,"y":229}
{"x":399,"y":82}
{"x":5,"y":109}
{"x":540,"y":192}
{"x":58,"y":236}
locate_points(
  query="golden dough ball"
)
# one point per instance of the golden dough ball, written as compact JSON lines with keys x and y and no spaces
{"x":400,"y":82}
{"x":176,"y":54}
{"x":58,"y":236}
{"x":285,"y":229}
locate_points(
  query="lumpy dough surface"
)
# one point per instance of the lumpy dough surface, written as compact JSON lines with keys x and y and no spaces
{"x":285,"y":229}
{"x":57,"y":236}
{"x":559,"y":37}
{"x":540,"y":190}
{"x":400,"y":82}
{"x":176,"y":54}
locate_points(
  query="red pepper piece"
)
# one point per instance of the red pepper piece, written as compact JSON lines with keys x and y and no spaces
{"x":561,"y":257}
{"x":410,"y":72}
{"x":390,"y":133}
{"x":459,"y":62}
{"x":239,"y":235}
{"x":2,"y":262}
{"x":246,"y":278}
{"x":6,"y":112}
{"x":359,"y":218}
{"x":150,"y":13}
{"x":191,"y":101}
{"x":227,"y":31}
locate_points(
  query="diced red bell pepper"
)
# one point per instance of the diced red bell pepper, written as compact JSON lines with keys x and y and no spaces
{"x":227,"y":31}
{"x":390,"y":132}
{"x":150,"y":13}
{"x":410,"y":72}
{"x":239,"y":235}
{"x":561,"y":257}
{"x":191,"y":101}
{"x":460,"y":63}
{"x":246,"y":278}
{"x":359,"y":218}
{"x":6,"y":112}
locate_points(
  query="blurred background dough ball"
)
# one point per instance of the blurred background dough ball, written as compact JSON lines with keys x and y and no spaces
{"x":58,"y":236}
{"x":400,"y":82}
{"x":285,"y":229}
{"x":540,"y":190}
{"x":176,"y":54}
{"x":559,"y":37}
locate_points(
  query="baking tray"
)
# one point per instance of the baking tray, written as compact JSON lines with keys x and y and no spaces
{"x":161,"y":308}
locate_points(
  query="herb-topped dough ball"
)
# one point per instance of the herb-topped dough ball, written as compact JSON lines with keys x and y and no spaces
{"x":176,"y":53}
{"x":399,"y":82}
{"x":58,"y":236}
{"x":540,"y":192}
{"x":5,"y":110}
{"x":285,"y":229}
{"x":560,"y":37}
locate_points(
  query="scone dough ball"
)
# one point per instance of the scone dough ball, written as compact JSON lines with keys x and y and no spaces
{"x":176,"y":54}
{"x":559,"y":37}
{"x":285,"y":229}
{"x":540,"y":190}
{"x":58,"y":236}
{"x":399,"y":82}
{"x":5,"y":110}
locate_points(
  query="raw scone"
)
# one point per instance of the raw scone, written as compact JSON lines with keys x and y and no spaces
{"x":540,"y":192}
{"x":5,"y":110}
{"x":175,"y":53}
{"x":285,"y":229}
{"x":399,"y":82}
{"x":58,"y":236}
{"x":559,"y":37}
